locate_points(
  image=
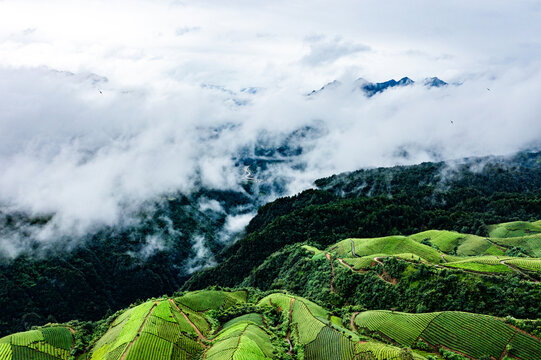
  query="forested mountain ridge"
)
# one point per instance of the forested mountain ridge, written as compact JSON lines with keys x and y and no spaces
{"x":386,"y":201}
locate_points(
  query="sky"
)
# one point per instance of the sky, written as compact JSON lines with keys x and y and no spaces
{"x":106,"y":104}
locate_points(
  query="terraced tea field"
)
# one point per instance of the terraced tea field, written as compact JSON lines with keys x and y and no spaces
{"x":442,"y":249}
{"x":48,"y":343}
{"x":470,"y":334}
{"x":241,"y":340}
{"x":321,"y":339}
{"x":152,"y":330}
{"x":514,"y":229}
{"x":211,"y":299}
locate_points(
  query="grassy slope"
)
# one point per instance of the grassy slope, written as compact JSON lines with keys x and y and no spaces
{"x":164,"y":329}
{"x":474,"y":253}
{"x":49,"y":343}
{"x":471,"y":334}
{"x":242,"y":340}
{"x":323,"y":339}
{"x":514,"y":229}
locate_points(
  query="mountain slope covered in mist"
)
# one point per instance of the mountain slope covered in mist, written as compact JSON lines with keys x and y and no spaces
{"x":464,"y":197}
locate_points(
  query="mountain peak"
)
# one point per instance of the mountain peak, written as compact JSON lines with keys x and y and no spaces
{"x":370,"y":88}
{"x":434,"y":82}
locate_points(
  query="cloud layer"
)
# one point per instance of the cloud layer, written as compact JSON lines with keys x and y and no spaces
{"x":105,"y":107}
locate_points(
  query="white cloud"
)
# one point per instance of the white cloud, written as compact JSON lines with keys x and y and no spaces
{"x":203,"y":257}
{"x":91,"y":157}
{"x":325,"y":51}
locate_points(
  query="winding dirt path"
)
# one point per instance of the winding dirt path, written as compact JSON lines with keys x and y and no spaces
{"x":288,"y":337}
{"x":502,"y":248}
{"x":125,"y":353}
{"x":201,"y":336}
{"x":352,"y":325}
{"x":346,"y":264}
{"x":385,"y":275}
{"x":350,"y":267}
{"x":443,"y":258}
{"x":328,"y":256}
{"x":518,"y":271}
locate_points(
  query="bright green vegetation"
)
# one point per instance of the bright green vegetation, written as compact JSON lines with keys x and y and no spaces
{"x":514,"y":229}
{"x":196,"y":318}
{"x":454,"y":242}
{"x":443,"y":248}
{"x":46,"y":343}
{"x":403,"y":328}
{"x":313,"y":250}
{"x":480,"y":267}
{"x":530,"y":243}
{"x":285,"y":326}
{"x":178,"y":329}
{"x":381,"y":351}
{"x":389,"y":245}
{"x":305,"y":323}
{"x":526,"y":264}
{"x":471,"y":334}
{"x":280,"y":301}
{"x":211,"y":299}
{"x":323,"y":339}
{"x":252,"y":317}
{"x":152,"y":330}
{"x":523,"y":346}
{"x":284,"y":301}
{"x":242,"y":340}
{"x":360,"y":263}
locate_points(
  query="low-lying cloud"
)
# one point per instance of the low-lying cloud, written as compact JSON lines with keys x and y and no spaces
{"x":97,"y":118}
{"x":324,"y":51}
{"x":90,"y":160}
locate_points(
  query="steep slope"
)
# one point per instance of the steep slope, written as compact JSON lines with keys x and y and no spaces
{"x":404,"y":281}
{"x":152,"y":330}
{"x":398,"y":201}
{"x":319,"y":338}
{"x":514,"y":229}
{"x":47,"y":343}
{"x":470,"y":334}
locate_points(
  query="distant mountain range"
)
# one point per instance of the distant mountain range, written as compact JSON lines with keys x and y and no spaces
{"x":370,"y":89}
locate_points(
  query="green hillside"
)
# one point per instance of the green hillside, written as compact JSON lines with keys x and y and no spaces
{"x":152,"y":330}
{"x":444,"y":249}
{"x":514,"y":229}
{"x":527,"y":244}
{"x":390,"y":245}
{"x":241,"y":340}
{"x":310,"y":327}
{"x":211,"y":299}
{"x":470,"y":334}
{"x":48,"y":343}
{"x":457,"y":243}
